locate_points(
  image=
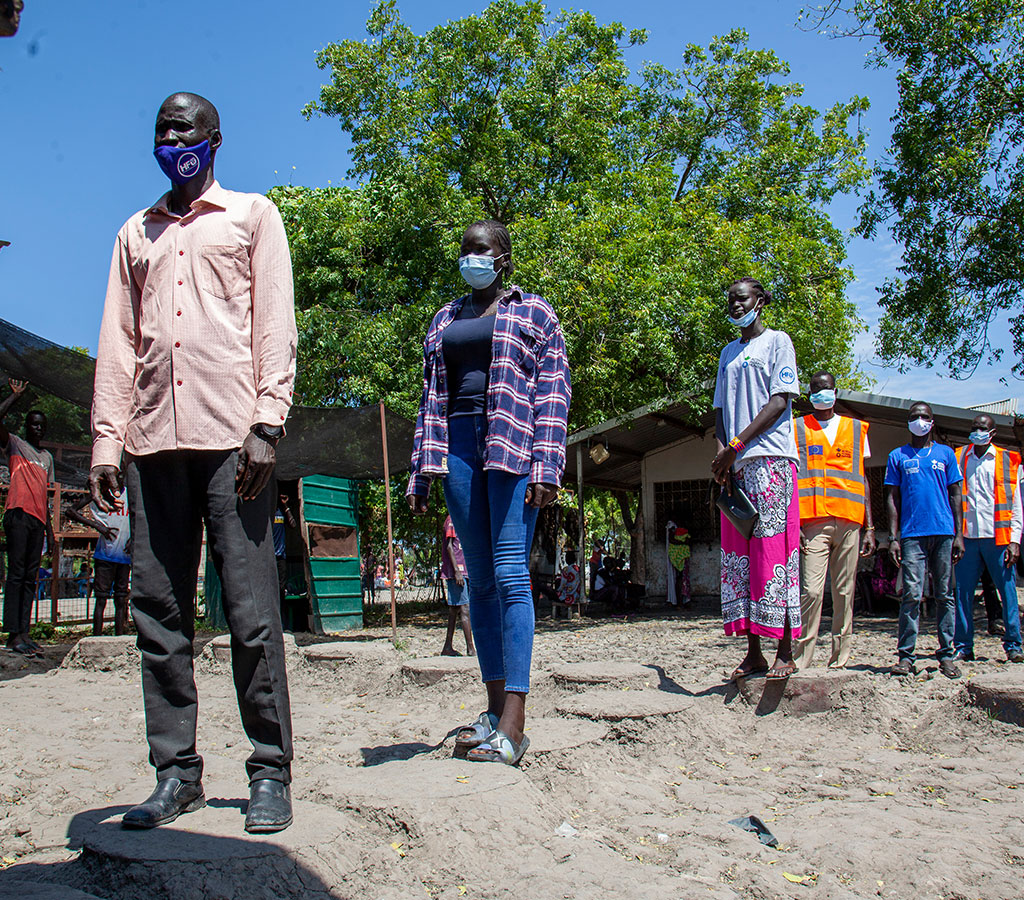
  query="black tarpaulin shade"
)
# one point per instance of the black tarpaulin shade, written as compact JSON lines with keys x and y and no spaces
{"x":331,"y":440}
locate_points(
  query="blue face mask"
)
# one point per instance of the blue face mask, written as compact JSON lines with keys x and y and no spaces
{"x":182,"y":164}
{"x":478,"y":271}
{"x":823,"y":399}
{"x":980,"y":438}
{"x":745,"y":320}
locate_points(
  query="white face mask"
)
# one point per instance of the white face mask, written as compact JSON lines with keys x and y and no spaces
{"x":920,"y":427}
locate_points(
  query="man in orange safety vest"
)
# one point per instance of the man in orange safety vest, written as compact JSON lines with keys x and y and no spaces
{"x":835,"y":506}
{"x":992,"y":529}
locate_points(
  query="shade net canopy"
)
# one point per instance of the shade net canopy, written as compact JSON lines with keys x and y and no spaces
{"x":334,"y":440}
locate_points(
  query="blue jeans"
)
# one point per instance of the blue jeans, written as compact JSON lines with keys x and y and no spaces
{"x":978,"y":552}
{"x":495,"y":527}
{"x":921,"y":555}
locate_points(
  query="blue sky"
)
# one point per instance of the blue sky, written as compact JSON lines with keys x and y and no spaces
{"x":80,"y":85}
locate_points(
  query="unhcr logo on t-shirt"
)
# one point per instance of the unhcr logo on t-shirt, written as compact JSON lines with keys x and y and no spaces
{"x":188,"y":165}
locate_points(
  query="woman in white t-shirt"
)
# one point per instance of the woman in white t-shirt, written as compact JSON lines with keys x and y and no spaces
{"x":757,"y":380}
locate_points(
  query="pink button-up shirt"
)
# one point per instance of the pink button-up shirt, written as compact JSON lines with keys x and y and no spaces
{"x":198,"y":337}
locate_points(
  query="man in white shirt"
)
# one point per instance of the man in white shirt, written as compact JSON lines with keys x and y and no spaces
{"x":992,"y":530}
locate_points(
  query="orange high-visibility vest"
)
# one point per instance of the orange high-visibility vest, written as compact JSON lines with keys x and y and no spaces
{"x":831,"y":476}
{"x":1007,"y":472}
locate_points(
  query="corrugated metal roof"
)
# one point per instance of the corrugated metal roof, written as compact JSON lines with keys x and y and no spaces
{"x":633,"y":435}
{"x":999,"y":407}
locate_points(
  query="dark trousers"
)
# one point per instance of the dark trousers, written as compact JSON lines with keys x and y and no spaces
{"x":111,"y":577}
{"x":170,"y":495}
{"x":24,"y":535}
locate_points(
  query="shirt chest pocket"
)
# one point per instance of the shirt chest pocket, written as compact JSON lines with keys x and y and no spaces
{"x":224,"y":271}
{"x":528,"y":349}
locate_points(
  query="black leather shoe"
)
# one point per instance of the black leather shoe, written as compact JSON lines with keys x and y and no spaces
{"x":270,"y":807}
{"x":171,"y":798}
{"x":996,"y":628}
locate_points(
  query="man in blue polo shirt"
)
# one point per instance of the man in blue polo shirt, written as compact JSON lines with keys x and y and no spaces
{"x":922,"y":493}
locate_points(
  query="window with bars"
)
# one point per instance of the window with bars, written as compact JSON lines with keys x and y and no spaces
{"x":690,"y":499}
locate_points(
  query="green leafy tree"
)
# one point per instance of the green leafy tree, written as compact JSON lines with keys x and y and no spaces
{"x":951,"y":188}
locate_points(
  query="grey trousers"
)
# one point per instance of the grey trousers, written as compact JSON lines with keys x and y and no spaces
{"x":170,"y":496}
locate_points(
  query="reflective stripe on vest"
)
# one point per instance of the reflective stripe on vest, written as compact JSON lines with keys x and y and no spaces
{"x":824,"y":490}
{"x":1006,"y":474}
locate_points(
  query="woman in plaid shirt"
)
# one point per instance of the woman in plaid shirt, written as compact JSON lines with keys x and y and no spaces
{"x":492,"y":424}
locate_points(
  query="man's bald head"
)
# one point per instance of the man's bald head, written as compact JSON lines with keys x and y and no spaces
{"x":205,"y":112}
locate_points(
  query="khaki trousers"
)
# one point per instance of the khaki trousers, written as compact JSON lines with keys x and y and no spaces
{"x":832,"y":545}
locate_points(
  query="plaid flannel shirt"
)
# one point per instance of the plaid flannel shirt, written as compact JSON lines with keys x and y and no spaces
{"x":528,"y":393}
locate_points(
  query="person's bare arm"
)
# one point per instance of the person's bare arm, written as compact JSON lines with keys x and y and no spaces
{"x":17,"y":389}
{"x":450,"y":550}
{"x":764,"y":420}
{"x":869,"y":543}
{"x":957,"y":506}
{"x":892,"y":503}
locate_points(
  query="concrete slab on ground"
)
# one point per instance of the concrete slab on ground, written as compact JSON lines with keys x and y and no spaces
{"x":1002,"y":694}
{"x":614,"y":706}
{"x":208,"y":854}
{"x":349,"y":651}
{"x":103,"y":653}
{"x":219,"y":648}
{"x":809,"y":691}
{"x":36,"y":890}
{"x":551,"y":735}
{"x":432,"y":669}
{"x":620,"y":674}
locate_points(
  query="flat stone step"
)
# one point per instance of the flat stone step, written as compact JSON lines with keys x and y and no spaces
{"x":807,"y":692}
{"x":1002,"y":694}
{"x":219,"y":648}
{"x":620,"y":674}
{"x":34,"y":890}
{"x":552,"y":735}
{"x":103,"y":653}
{"x":208,"y":854}
{"x":614,"y":706}
{"x":349,"y":651}
{"x":432,"y":669}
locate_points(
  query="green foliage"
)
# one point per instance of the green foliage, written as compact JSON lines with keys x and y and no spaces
{"x":633,"y":199}
{"x":951,"y":189}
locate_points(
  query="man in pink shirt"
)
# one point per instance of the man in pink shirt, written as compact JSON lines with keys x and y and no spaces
{"x":194,"y":379}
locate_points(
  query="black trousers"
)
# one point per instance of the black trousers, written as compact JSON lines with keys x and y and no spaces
{"x":170,"y":495}
{"x":24,"y":535}
{"x":111,"y":577}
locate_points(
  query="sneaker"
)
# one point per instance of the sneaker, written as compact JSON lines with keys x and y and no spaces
{"x":949,"y":668}
{"x":996,"y":628}
{"x":903,"y":668}
{"x":1015,"y":656}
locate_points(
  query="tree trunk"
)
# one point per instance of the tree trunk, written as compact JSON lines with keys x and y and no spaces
{"x":634,"y":524}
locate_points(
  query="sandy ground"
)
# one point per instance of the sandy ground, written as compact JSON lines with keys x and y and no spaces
{"x":901,"y":790}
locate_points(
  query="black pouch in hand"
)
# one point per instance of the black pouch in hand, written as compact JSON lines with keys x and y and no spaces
{"x":737,"y":507}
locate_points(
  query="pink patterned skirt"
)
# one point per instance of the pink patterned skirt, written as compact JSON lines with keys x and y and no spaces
{"x":761,"y":576}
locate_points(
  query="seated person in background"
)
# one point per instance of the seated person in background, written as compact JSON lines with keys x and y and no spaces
{"x":568,"y":585}
{"x":608,"y":586}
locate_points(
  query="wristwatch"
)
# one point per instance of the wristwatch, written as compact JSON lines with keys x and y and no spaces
{"x":270,"y":433}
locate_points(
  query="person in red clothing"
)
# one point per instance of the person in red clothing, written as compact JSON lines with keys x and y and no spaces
{"x":26,"y":519}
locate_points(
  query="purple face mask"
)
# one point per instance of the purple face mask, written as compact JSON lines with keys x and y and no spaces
{"x":182,"y":164}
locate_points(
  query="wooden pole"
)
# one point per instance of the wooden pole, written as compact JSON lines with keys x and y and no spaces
{"x":582,"y":556}
{"x":387,"y":503}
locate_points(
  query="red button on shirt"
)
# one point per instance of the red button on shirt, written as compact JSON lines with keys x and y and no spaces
{"x":177,"y":343}
{"x":181,"y":282}
{"x":179,"y":382}
{"x":179,"y":312}
{"x":181,"y":253}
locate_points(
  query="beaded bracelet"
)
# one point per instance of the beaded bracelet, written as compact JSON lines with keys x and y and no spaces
{"x":737,"y":445}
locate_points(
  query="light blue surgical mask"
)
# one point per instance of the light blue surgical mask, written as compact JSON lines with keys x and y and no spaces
{"x":825,"y":399}
{"x":478,"y":271}
{"x":980,"y":438}
{"x":744,"y":320}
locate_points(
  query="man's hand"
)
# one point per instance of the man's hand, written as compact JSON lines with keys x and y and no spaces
{"x":255,"y":466}
{"x":417,"y":504}
{"x":803,"y":541}
{"x":18,"y":387}
{"x":895,"y":553}
{"x":958,"y":548}
{"x":868,"y":545}
{"x":105,"y":484}
{"x":1011,"y":555}
{"x":539,"y":494}
{"x":460,"y":578}
{"x":107,"y":533}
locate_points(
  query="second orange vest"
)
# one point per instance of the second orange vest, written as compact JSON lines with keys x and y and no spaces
{"x":1007,"y":472}
{"x":831,"y":479}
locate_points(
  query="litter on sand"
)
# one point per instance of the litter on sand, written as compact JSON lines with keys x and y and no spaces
{"x":754,"y":824}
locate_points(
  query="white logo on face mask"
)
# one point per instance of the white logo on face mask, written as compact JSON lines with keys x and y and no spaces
{"x":188,"y":165}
